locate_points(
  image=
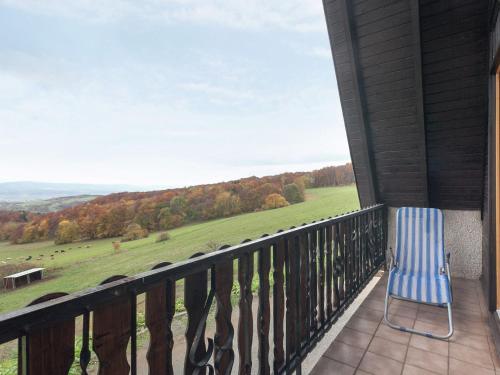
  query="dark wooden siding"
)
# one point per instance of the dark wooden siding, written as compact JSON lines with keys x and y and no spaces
{"x":421,"y":69}
{"x":454,"y":37}
{"x":348,"y":89}
{"x":384,"y":43}
{"x":386,"y":46}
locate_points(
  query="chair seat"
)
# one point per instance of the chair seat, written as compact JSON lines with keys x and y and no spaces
{"x":420,"y":287}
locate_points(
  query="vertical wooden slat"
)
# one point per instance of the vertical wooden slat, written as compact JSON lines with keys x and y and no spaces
{"x":48,"y":350}
{"x":354,"y":247}
{"x":305,"y":281}
{"x":329,"y":274}
{"x":337,"y":264}
{"x":278,"y":304}
{"x":314,"y":282}
{"x":224,"y":332}
{"x":263,"y":320}
{"x":343,"y":260}
{"x":347,"y":256}
{"x":295,"y":264}
{"x":133,"y":334}
{"x":111,"y":334}
{"x":362,"y":258}
{"x":245,"y":323}
{"x":352,"y":275}
{"x":160,"y":310}
{"x":356,"y":243}
{"x":366,"y":253}
{"x":321,"y":269}
{"x":291,"y":302}
{"x":369,"y":243}
{"x":195,"y":297}
{"x":85,"y":351}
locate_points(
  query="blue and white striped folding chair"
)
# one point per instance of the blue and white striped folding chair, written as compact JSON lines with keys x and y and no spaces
{"x":419,"y":271}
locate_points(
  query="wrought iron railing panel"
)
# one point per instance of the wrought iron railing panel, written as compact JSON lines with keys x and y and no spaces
{"x":303,"y":279}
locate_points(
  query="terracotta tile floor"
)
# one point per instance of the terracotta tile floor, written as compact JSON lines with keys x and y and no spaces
{"x":366,"y":345}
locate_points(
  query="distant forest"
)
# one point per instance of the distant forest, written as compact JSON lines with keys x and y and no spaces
{"x":134,"y":215}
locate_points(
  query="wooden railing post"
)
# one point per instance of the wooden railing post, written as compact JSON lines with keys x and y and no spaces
{"x":263,"y":314}
{"x":245,"y":324}
{"x":305,"y":283}
{"x":49,"y":350}
{"x":224,"y":331}
{"x":291,"y":302}
{"x":278,"y":305}
{"x":329,"y":273}
{"x":160,"y":310}
{"x":321,"y":276}
{"x":111,"y":334}
{"x":195,"y":301}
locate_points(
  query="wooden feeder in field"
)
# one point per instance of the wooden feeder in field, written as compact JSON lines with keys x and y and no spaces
{"x":22,"y":278}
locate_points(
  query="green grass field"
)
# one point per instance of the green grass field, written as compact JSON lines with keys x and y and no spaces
{"x":81,"y":266}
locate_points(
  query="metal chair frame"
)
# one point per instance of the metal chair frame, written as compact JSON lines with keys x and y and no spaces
{"x":411,"y":330}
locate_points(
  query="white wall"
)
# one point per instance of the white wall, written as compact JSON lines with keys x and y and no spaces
{"x":462,"y":238}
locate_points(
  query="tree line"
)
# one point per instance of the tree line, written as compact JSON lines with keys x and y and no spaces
{"x":137,"y":213}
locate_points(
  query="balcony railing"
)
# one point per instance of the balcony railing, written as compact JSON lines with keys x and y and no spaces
{"x":307,"y":276}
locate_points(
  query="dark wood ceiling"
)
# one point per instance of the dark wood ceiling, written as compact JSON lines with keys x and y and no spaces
{"x":413,"y":83}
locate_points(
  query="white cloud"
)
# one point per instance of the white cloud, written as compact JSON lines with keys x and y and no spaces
{"x":296,"y":15}
{"x":223,"y":93}
{"x":322,"y":52}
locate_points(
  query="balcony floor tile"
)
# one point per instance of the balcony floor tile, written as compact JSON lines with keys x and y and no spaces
{"x":366,"y":345}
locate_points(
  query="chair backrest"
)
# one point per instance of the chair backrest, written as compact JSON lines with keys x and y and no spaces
{"x":420,"y":240}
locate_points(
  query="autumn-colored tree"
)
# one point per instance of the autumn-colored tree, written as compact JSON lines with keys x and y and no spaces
{"x":293,"y":193}
{"x":30,"y":234}
{"x":43,"y":229}
{"x":227,"y":204}
{"x":333,"y":176}
{"x":274,"y":201}
{"x":146,"y":215}
{"x":17,"y":234}
{"x":67,"y":232}
{"x":114,"y":222}
{"x":178,"y":205}
{"x":168,"y":220}
{"x":7,"y":230}
{"x":267,"y":189}
{"x":134,"y":232}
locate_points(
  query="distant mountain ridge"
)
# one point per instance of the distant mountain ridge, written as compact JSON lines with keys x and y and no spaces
{"x":43,"y":206}
{"x":23,"y":191}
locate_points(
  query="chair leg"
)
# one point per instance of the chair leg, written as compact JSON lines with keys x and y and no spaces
{"x":411,"y":330}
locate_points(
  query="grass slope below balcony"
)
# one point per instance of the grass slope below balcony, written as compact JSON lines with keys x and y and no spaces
{"x":81,"y":267}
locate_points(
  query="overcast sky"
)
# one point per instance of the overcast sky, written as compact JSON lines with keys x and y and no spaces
{"x":165,"y":92}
